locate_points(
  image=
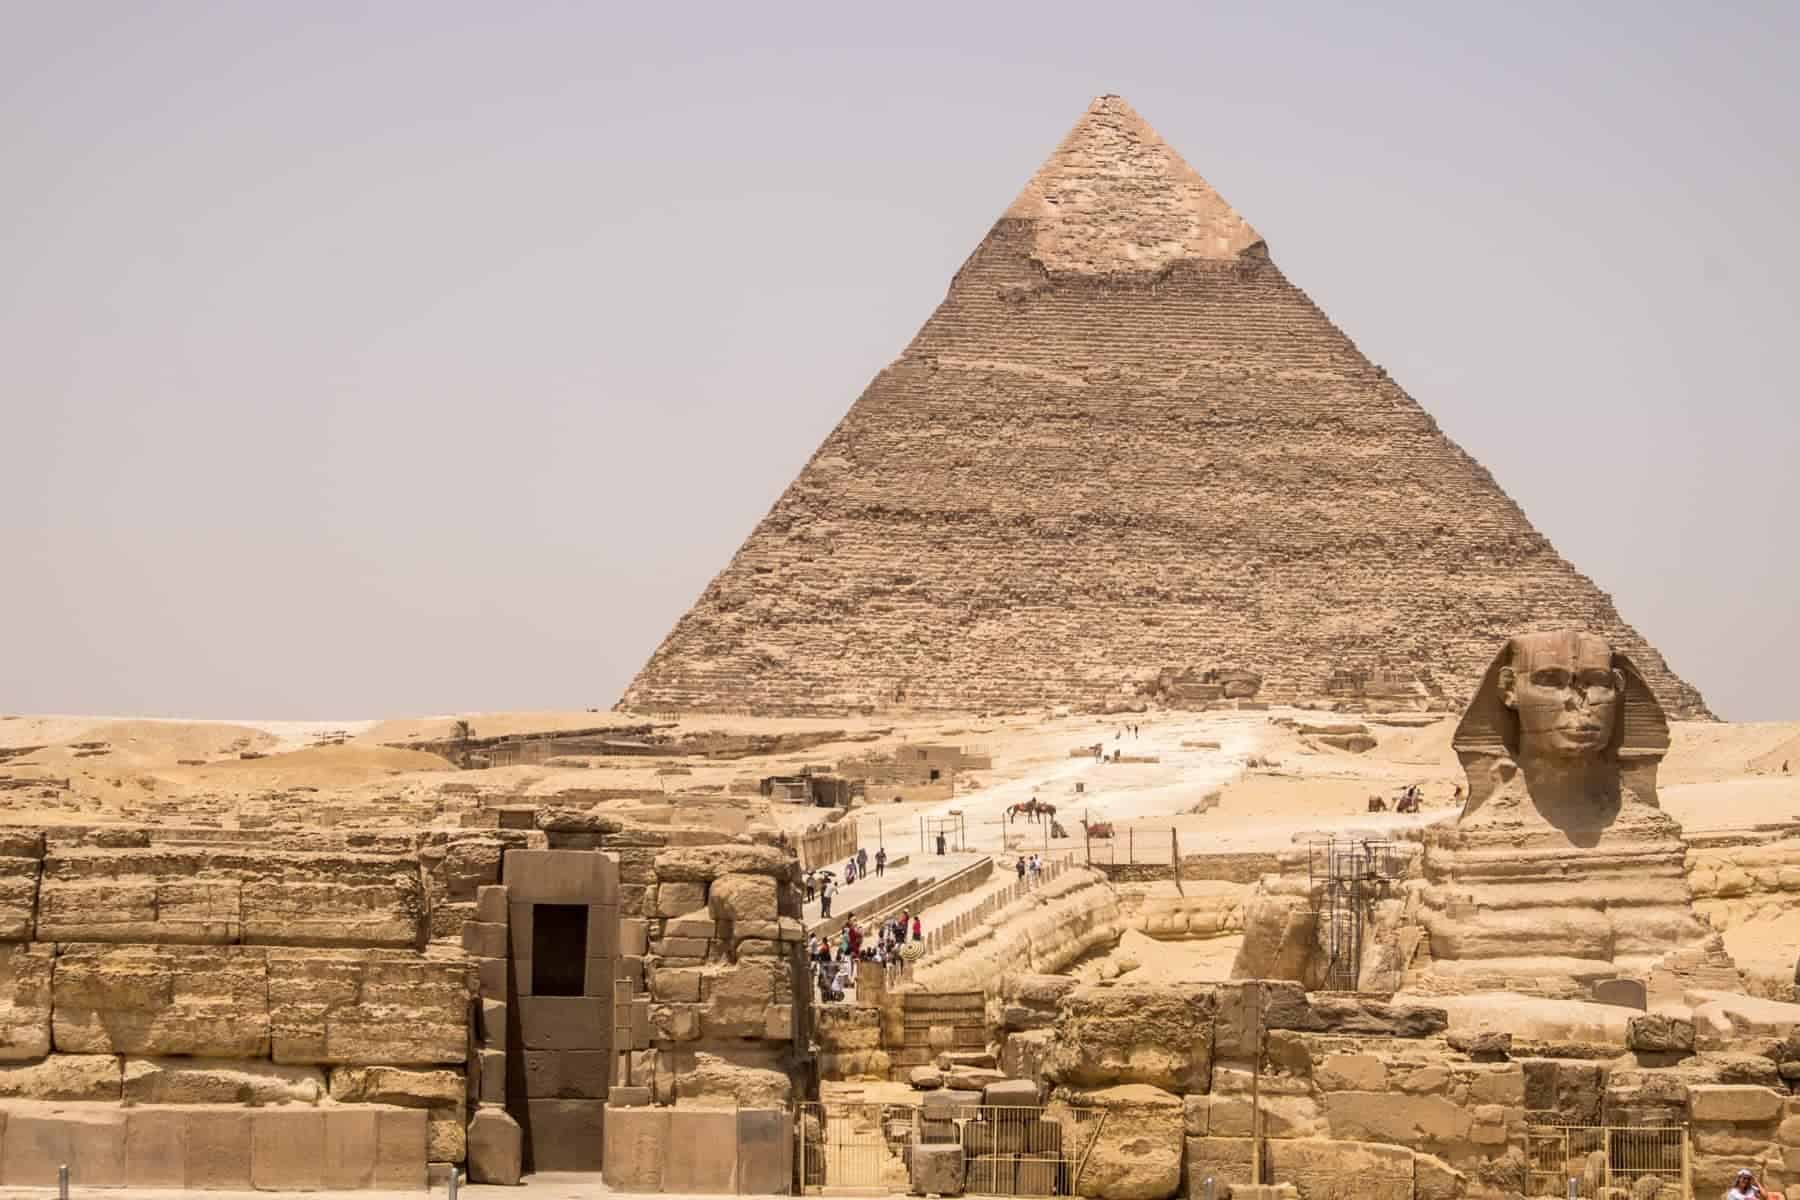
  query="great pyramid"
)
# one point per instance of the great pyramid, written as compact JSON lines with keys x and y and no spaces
{"x":1123,"y":442}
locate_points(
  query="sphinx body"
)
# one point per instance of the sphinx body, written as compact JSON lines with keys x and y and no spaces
{"x":1563,"y":869}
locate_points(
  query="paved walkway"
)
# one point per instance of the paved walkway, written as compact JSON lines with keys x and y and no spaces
{"x":864,"y":891}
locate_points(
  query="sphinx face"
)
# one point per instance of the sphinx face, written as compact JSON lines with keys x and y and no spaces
{"x":1566,"y":693}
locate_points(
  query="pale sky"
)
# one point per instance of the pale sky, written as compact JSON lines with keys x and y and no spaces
{"x":419,"y":357}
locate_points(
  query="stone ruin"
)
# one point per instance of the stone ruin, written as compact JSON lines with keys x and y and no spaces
{"x":200,"y":1008}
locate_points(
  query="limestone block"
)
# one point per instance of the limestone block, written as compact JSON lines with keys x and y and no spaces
{"x":937,"y":1169}
{"x":1138,"y":1154}
{"x":490,"y":904}
{"x":765,"y":1151}
{"x":702,"y":864}
{"x":675,"y":898}
{"x":20,"y":863}
{"x":737,"y":998}
{"x":1350,"y":1073}
{"x":1227,"y":1161}
{"x":400,"y":1138}
{"x":218,"y":1149}
{"x":926,"y":1078}
{"x":1575,"y":1091}
{"x":484,"y":940}
{"x":1401,"y":1119}
{"x":220,"y":1081}
{"x":367,"y":1007}
{"x":705,"y":1162}
{"x":1435,"y":1179}
{"x":24,"y":1001}
{"x":351,"y":1140}
{"x":567,"y":1074}
{"x":1658,"y":1033}
{"x":210,"y":1001}
{"x":1023,"y":1055}
{"x":385,"y":911}
{"x":740,"y":1074}
{"x":1487,"y":1044}
{"x":947,"y":1104}
{"x":1728,"y":1102}
{"x":1011,"y":1092}
{"x":743,"y":898}
{"x":676,"y":984}
{"x":567,"y":1135}
{"x":565,"y":1023}
{"x":471,"y":864}
{"x":562,"y":877}
{"x":442,"y":1093}
{"x":156,"y":1148}
{"x":634,"y":937}
{"x":62,"y":1077}
{"x":287,"y":1149}
{"x":1161,"y":1036}
{"x":496,"y":1147}
{"x":1321,"y":1167}
{"x":36,"y":1141}
{"x":1230,"y":1115}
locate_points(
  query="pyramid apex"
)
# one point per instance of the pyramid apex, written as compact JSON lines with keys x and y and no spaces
{"x":1115,"y":197}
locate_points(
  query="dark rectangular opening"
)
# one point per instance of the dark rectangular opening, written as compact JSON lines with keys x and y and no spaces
{"x":558,"y":949}
{"x":934,"y":775}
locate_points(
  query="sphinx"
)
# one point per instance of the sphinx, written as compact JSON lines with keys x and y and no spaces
{"x":1562,"y":869}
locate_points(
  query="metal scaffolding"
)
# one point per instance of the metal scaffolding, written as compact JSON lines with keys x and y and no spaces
{"x":1346,"y":877}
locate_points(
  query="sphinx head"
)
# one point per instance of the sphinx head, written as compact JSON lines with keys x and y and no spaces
{"x":1565,"y":691}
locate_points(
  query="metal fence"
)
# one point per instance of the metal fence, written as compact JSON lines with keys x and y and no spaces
{"x":940,"y":936}
{"x":1133,"y":844}
{"x":1596,"y":1161}
{"x":1007,"y":1151}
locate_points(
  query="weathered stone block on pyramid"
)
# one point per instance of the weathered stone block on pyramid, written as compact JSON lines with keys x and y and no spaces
{"x":1124,"y":442}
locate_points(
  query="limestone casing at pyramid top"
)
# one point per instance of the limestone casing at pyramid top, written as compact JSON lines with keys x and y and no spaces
{"x":1115,"y":197}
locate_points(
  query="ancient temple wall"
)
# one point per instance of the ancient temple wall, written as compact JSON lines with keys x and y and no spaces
{"x":196,"y":1008}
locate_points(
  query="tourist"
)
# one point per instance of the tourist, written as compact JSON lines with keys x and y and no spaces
{"x":940,"y":844}
{"x":862,"y":861}
{"x":916,"y":933}
{"x":1036,"y":868}
{"x":850,"y":872}
{"x":825,"y":890}
{"x":1746,"y":1188}
{"x":903,"y":924}
{"x":880,"y":862}
{"x":1019,"y":865}
{"x":808,"y":881}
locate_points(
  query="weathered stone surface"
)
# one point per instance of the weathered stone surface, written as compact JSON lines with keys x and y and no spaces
{"x":217,"y":1081}
{"x":35,"y":1140}
{"x":496,"y":1147}
{"x":1351,"y":1073}
{"x":1227,"y":1161}
{"x":24,"y":1001}
{"x":1160,"y":1036}
{"x":1400,"y":1119}
{"x":1138,"y":1154}
{"x":1435,"y":1179}
{"x":62,"y":1077}
{"x":1730,"y":1102}
{"x":443,"y":1093}
{"x":287,"y":1149}
{"x":702,"y":864}
{"x":1490,"y":1045}
{"x":937,"y":1169}
{"x":737,"y":998}
{"x":637,"y":1147}
{"x":211,"y":1001}
{"x":1325,"y":1168}
{"x":1025,"y":1054}
{"x":373,"y":1007}
{"x":743,"y":898}
{"x":926,"y":1078}
{"x":1657,"y":1033}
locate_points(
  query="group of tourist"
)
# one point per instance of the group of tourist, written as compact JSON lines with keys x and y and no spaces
{"x":823,"y":883}
{"x":834,"y":958}
{"x":1030,"y":869}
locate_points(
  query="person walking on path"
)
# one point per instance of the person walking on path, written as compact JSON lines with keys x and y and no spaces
{"x":917,"y":932}
{"x":825,"y":891}
{"x":1019,"y":865}
{"x":862,"y":862}
{"x":880,"y":862}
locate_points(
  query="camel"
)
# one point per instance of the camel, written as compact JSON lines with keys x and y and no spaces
{"x":1096,"y":829}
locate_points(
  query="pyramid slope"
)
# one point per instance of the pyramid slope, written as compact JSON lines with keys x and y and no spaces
{"x":1123,"y":442}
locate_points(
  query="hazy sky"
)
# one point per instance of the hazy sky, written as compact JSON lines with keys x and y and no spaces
{"x":370,"y":359}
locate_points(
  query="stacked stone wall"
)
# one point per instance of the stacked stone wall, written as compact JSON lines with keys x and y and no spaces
{"x":209,"y":1012}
